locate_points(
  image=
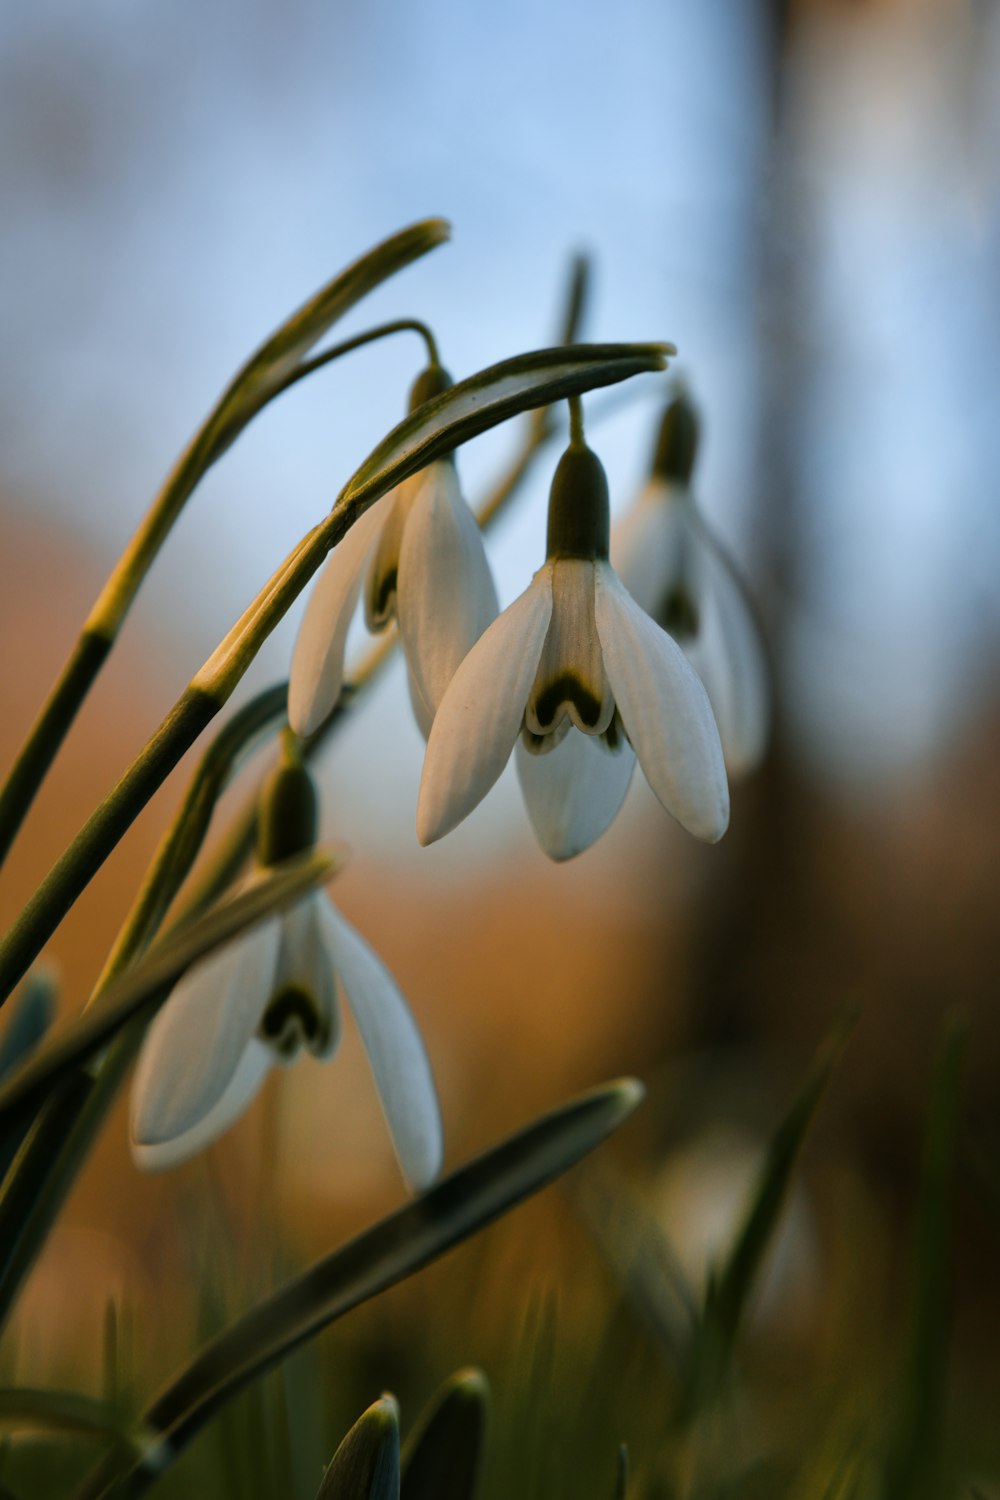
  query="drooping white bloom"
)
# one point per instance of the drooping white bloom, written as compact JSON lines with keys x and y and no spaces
{"x":260,"y":1001}
{"x":418,"y":556}
{"x":586,"y":682}
{"x":675,"y":568}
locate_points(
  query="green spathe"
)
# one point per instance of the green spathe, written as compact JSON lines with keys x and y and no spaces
{"x":579,"y":516}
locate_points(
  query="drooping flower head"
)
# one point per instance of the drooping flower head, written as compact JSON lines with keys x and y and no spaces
{"x":418,"y":557}
{"x":268,"y":996}
{"x":584,"y":682}
{"x":674,"y":566}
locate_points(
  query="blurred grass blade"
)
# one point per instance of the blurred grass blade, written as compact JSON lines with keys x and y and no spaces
{"x":442,"y":1455}
{"x":153,"y":978}
{"x":366,"y":1465}
{"x":621,"y":1473}
{"x":391,"y":1250}
{"x":491,"y":396}
{"x":65,"y":1412}
{"x":643,"y":1260}
{"x":733,"y":1283}
{"x":913,"y":1469}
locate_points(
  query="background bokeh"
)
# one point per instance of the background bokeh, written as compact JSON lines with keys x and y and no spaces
{"x":805,"y":199}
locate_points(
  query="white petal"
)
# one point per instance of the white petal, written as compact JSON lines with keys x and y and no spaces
{"x":480,"y":715}
{"x":395,"y":1051}
{"x":650,"y":543}
{"x":317,"y":672}
{"x":445,"y":592}
{"x":253,"y":1068}
{"x":665,"y":710}
{"x":196,"y":1042}
{"x":574,"y":791}
{"x":729,"y":658}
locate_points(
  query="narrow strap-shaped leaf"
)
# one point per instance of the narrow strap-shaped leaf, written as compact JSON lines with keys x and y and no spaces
{"x":183,"y":840}
{"x":391,"y":1250}
{"x":366,"y":1465}
{"x":621,"y":1473}
{"x":735,"y":1280}
{"x":25,"y":1409}
{"x":731,"y":1285}
{"x":491,"y":396}
{"x":152,"y":978}
{"x":442,"y":1455}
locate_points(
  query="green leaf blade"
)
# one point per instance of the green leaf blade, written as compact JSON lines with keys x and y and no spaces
{"x":491,"y":396}
{"x":458,"y":1206}
{"x":267,"y":370}
{"x":442,"y":1455}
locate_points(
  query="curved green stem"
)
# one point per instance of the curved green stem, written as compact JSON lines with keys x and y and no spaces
{"x":276,"y":366}
{"x":539,"y":427}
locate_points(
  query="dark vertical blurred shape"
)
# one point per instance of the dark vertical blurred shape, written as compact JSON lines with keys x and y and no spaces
{"x":759,"y":903}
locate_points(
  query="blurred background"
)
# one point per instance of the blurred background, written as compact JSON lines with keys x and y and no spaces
{"x":804,"y":197}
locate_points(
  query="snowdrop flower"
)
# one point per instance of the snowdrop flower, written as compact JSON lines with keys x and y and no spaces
{"x":265,"y":997}
{"x":675,"y":568}
{"x":418,"y":555}
{"x":584,"y":681}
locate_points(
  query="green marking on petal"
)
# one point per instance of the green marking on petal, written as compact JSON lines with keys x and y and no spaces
{"x":614,"y":736}
{"x":558,"y":696}
{"x":291,"y":1021}
{"x":678,"y":614}
{"x":383,"y":593}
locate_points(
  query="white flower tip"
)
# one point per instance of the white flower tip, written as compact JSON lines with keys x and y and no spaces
{"x":422,"y":1159}
{"x":712,"y":829}
{"x":436,"y":815}
{"x":305,"y":712}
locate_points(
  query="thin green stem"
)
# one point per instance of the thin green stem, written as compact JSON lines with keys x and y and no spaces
{"x":183,"y":840}
{"x":275,"y":367}
{"x":384,"y":330}
{"x":576,"y":436}
{"x":99,"y":835}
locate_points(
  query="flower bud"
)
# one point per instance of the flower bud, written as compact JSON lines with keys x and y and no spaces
{"x":429,"y":383}
{"x":677,"y":442}
{"x":287,"y":815}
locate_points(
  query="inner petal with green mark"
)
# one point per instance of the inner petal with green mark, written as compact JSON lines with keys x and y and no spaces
{"x":571,"y":683}
{"x":380,"y":585}
{"x":293,"y":1020}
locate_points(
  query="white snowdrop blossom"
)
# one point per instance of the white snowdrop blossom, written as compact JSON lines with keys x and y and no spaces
{"x":260,"y":1001}
{"x":267,"y":996}
{"x":584,"y":682}
{"x":417,"y":555}
{"x":675,"y":568}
